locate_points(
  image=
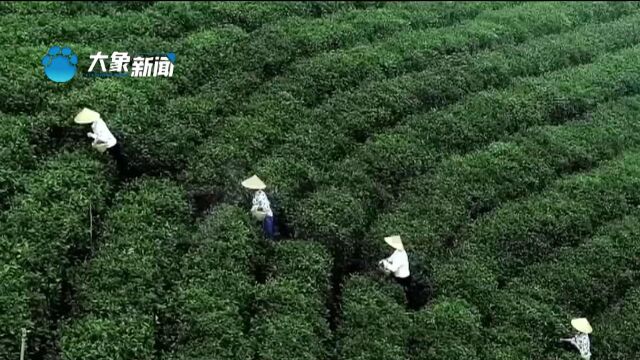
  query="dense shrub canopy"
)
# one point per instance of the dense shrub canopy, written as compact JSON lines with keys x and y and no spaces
{"x":499,"y":139}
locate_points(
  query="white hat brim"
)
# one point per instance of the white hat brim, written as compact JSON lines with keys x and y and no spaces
{"x":582,"y":325}
{"x":86,"y":116}
{"x":254,"y":183}
{"x":395,"y":242}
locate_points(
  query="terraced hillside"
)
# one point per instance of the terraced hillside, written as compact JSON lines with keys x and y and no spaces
{"x":501,"y":140}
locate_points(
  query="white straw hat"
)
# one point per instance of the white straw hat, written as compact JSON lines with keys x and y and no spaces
{"x":102,"y":147}
{"x":259,"y":215}
{"x":582,"y":325}
{"x":86,"y":116}
{"x":395,"y":242}
{"x":254,"y":183}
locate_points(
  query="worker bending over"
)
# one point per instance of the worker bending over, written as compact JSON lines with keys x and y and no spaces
{"x":581,"y":340}
{"x":103,"y":139}
{"x":398,"y":265}
{"x":261,"y":206}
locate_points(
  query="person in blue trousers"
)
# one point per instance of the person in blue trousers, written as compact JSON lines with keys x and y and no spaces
{"x":261,"y":206}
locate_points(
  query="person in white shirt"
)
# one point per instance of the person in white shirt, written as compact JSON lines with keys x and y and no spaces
{"x":581,"y":340}
{"x":103,"y":139}
{"x":261,"y":206}
{"x":398,"y":263}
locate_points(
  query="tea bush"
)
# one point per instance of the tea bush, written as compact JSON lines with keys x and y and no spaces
{"x":128,"y":274}
{"x":290,"y":308}
{"x":422,"y":141}
{"x":600,"y":271}
{"x":270,"y":114}
{"x":373,"y":325}
{"x":561,"y":216}
{"x":45,"y":233}
{"x":613,"y":339}
{"x":498,"y":139}
{"x":464,"y":188}
{"x":212,"y":297}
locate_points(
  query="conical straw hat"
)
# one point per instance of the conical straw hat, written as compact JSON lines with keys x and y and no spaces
{"x":395,"y":242}
{"x":259,"y":215}
{"x":254,"y":183}
{"x":100,"y":147}
{"x":582,"y":325}
{"x":86,"y":116}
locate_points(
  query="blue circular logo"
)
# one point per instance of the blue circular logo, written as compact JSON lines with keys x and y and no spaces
{"x":60,"y":64}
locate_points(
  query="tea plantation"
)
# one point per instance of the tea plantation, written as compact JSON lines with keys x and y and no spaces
{"x":501,"y":140}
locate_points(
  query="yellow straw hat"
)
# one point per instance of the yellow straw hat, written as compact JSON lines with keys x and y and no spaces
{"x":86,"y":116}
{"x":395,"y":242}
{"x":582,"y":325}
{"x":254,"y":183}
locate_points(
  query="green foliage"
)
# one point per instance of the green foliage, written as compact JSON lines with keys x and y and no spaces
{"x":156,"y":140}
{"x":51,"y":219}
{"x":464,"y":188}
{"x":352,"y":116}
{"x":288,"y":177}
{"x":290,"y":321}
{"x":225,"y":51}
{"x":10,"y":7}
{"x":333,"y":218}
{"x":209,"y":317}
{"x":249,"y":15}
{"x":290,"y":308}
{"x":306,"y":262}
{"x":527,"y":326}
{"x":206,"y":54}
{"x":118,"y":337}
{"x":468,"y":277}
{"x":373,"y":325}
{"x":240,"y":66}
{"x":614,"y":336}
{"x":16,"y":155}
{"x":26,"y":89}
{"x":448,"y":329}
{"x":321,"y":139}
{"x":86,"y":29}
{"x":447,"y":123}
{"x":317,"y":78}
{"x":93,"y":22}
{"x":14,"y":308}
{"x":211,"y":300}
{"x":525,"y":232}
{"x":487,"y":116}
{"x":224,"y":240}
{"x":128,"y":273}
{"x":43,"y":233}
{"x":138,"y":236}
{"x":591,"y":276}
{"x":417,"y":145}
{"x":578,"y":281}
{"x":278,"y":107}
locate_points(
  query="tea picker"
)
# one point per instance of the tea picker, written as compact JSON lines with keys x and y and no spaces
{"x":103,"y":139}
{"x":581,"y":340}
{"x":261,"y":206}
{"x":397,"y":263}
